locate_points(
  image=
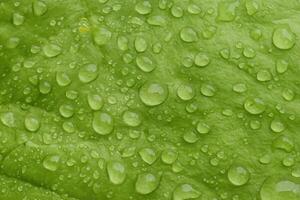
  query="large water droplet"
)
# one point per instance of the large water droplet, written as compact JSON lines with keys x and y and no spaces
{"x":188,"y":34}
{"x":169,"y":156}
{"x":238,"y":175}
{"x":66,"y":110}
{"x":88,"y":73}
{"x":185,"y":192}
{"x":103,"y":123}
{"x":254,"y":106}
{"x":116,"y":172}
{"x":143,"y":7}
{"x":146,"y":183}
{"x":185,"y":92}
{"x":132,"y":118}
{"x":39,"y":8}
{"x":63,"y":79}
{"x":277,"y":126}
{"x":226,"y":11}
{"x":102,"y":36}
{"x":284,"y":143}
{"x":140,"y":44}
{"x":153,"y":93}
{"x":51,"y":162}
{"x":145,"y":63}
{"x":52,"y":50}
{"x":285,"y":188}
{"x":32,"y":123}
{"x":95,"y":101}
{"x":201,"y":60}
{"x":284,"y":38}
{"x":8,"y":119}
{"x":148,"y":155}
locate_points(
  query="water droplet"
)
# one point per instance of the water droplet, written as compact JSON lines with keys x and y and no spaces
{"x":201,"y":60}
{"x":145,"y":63}
{"x":203,"y":128}
{"x":288,"y":94}
{"x":254,"y":106}
{"x":63,"y":79}
{"x":39,"y":8}
{"x":193,"y":9}
{"x":284,"y":38}
{"x":88,"y":73}
{"x":32,"y":123}
{"x":263,"y":75}
{"x":116,"y":172}
{"x":277,"y":126}
{"x":252,"y":7}
{"x":51,"y":162}
{"x":45,"y":87}
{"x":123,"y":43}
{"x":284,"y":143}
{"x":140,"y":44}
{"x":8,"y":119}
{"x":66,"y":110}
{"x":285,"y":188}
{"x":157,"y":20}
{"x":184,"y":192}
{"x":132,"y":118}
{"x":239,"y":87}
{"x":18,"y":19}
{"x":288,"y":161}
{"x":226,"y":11}
{"x":188,"y":34}
{"x":208,"y":90}
{"x":52,"y":50}
{"x":185,"y":92}
{"x":103,"y":123}
{"x":143,"y":7}
{"x":281,"y":66}
{"x":146,"y":183}
{"x":248,"y":52}
{"x":190,"y":137}
{"x":169,"y":156}
{"x":238,"y":175}
{"x":255,"y":124}
{"x":95,"y":101}
{"x":153,"y":94}
{"x":102,"y":36}
{"x":176,"y":11}
{"x":148,"y":155}
{"x":255,"y":34}
{"x":225,"y":53}
{"x":265,"y":159}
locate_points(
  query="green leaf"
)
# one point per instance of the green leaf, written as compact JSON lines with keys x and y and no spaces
{"x":149,"y":100}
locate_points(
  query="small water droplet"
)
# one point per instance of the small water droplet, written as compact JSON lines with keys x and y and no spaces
{"x":39,"y":8}
{"x":8,"y":119}
{"x":51,"y":162}
{"x":201,"y":60}
{"x":32,"y":123}
{"x":95,"y":101}
{"x":88,"y":73}
{"x":52,"y":50}
{"x":145,"y":63}
{"x":254,"y":106}
{"x":132,"y":118}
{"x":140,"y":44}
{"x":184,"y":192}
{"x":143,"y":7}
{"x":148,"y":155}
{"x":185,"y":92}
{"x":102,"y":36}
{"x":188,"y":34}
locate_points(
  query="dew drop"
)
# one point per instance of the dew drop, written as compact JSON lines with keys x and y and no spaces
{"x":143,"y":7}
{"x":146,"y":183}
{"x":95,"y":101}
{"x":140,"y":44}
{"x":63,"y":79}
{"x":88,"y":73}
{"x":132,"y":118}
{"x":52,"y":50}
{"x":145,"y":63}
{"x":32,"y":123}
{"x":254,"y":106}
{"x":284,"y":143}
{"x":66,"y":110}
{"x":188,"y":34}
{"x":45,"y":87}
{"x":201,"y":60}
{"x":169,"y":156}
{"x":116,"y":172}
{"x":184,"y":192}
{"x":185,"y":92}
{"x":148,"y":155}
{"x":153,"y":93}
{"x":284,"y":38}
{"x":208,"y":90}
{"x":51,"y":162}
{"x":226,"y":11}
{"x":238,"y":175}
{"x":263,"y":75}
{"x":103,"y":123}
{"x":8,"y":119}
{"x":203,"y":128}
{"x":39,"y":8}
{"x":102,"y":36}
{"x":18,"y":19}
{"x":277,"y":126}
